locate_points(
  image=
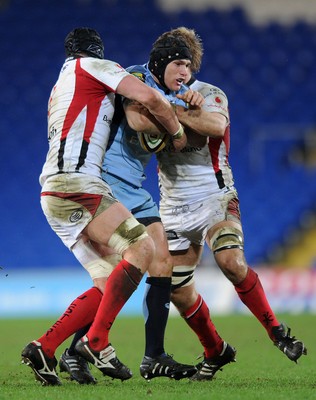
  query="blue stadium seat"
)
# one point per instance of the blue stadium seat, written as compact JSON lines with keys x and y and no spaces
{"x":267,"y":72}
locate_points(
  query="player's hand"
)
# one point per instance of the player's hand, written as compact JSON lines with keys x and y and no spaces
{"x":193,"y":98}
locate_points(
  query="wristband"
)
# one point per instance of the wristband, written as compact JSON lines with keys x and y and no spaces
{"x":179,"y":133}
{"x":173,"y":105}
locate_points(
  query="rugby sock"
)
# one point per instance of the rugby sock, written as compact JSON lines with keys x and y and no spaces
{"x":156,"y":305}
{"x":118,"y":289}
{"x":78,"y":335}
{"x":198,"y":319}
{"x":251,"y":293}
{"x":80,"y":313}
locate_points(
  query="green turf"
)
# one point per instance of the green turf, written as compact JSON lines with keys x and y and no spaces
{"x":261,"y":370}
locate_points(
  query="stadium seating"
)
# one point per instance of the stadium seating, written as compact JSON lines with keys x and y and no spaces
{"x":267,"y":72}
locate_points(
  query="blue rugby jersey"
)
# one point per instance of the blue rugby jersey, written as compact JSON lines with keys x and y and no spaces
{"x":125,"y":158}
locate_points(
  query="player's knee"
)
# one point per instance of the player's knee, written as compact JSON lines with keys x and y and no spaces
{"x":161,"y":266}
{"x":129,"y":233}
{"x":233,"y":265}
{"x":145,"y":247}
{"x":227,"y":238}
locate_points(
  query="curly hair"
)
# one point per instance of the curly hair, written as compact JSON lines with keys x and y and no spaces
{"x":165,"y":50}
{"x":193,"y":42}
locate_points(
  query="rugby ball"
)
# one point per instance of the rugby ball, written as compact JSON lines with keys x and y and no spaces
{"x":153,"y":143}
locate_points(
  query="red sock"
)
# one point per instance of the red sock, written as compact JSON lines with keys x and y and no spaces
{"x":79,"y":314}
{"x":251,"y":293}
{"x":198,"y":318}
{"x":119,"y":287}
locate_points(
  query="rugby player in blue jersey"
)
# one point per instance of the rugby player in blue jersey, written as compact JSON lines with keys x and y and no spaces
{"x":199,"y":203}
{"x":124,"y":166}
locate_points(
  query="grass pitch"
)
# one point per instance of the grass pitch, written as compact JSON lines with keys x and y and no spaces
{"x":261,"y":370}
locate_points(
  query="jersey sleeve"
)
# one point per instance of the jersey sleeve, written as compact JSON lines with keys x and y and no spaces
{"x":108,"y":72}
{"x":139,"y":71}
{"x":215,"y":100}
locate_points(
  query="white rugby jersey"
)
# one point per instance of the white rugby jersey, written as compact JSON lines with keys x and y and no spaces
{"x":202,"y":167}
{"x":80,"y":111}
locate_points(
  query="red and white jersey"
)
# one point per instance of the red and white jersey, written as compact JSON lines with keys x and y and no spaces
{"x":80,"y":112}
{"x":200,"y":169}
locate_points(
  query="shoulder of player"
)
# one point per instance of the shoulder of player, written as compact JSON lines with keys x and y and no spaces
{"x":103,"y":65}
{"x":207,"y":89}
{"x":139,"y":71}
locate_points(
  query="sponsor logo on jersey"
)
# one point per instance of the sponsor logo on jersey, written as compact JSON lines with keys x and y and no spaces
{"x":170,"y":149}
{"x":107,"y":120}
{"x":52,"y":133}
{"x":215,"y":91}
{"x":139,"y":75}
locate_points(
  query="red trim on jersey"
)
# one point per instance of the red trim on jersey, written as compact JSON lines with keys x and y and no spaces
{"x":90,"y":201}
{"x":227,"y":140}
{"x":214,"y":145}
{"x":89,"y":92}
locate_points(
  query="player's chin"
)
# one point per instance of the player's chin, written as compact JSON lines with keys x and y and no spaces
{"x":176,"y":87}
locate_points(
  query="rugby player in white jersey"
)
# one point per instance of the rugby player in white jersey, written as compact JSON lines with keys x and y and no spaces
{"x":198,"y":203}
{"x":79,"y":205}
{"x":124,"y":170}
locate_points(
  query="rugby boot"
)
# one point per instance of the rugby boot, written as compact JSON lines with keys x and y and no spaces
{"x":43,"y":366}
{"x":289,"y":345}
{"x":105,"y":360}
{"x":209,"y":366}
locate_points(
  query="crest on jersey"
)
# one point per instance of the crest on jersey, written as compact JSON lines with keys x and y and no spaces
{"x":139,"y":75}
{"x":76,"y":215}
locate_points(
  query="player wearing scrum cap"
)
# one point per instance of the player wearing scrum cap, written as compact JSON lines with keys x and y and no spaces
{"x":200,"y":203}
{"x":123,"y":168}
{"x":79,"y":205}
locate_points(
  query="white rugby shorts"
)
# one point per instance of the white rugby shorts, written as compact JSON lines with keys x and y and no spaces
{"x":71,"y":201}
{"x":189,"y":223}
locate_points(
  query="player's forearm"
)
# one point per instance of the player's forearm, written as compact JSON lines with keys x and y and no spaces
{"x":141,"y":120}
{"x":132,"y":88}
{"x":150,"y":121}
{"x":202,"y":122}
{"x":164,"y":113}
